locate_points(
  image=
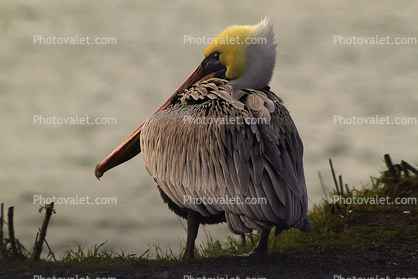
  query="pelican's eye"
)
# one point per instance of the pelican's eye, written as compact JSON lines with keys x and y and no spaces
{"x":216,"y":56}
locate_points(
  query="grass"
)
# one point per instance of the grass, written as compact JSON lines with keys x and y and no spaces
{"x":335,"y":224}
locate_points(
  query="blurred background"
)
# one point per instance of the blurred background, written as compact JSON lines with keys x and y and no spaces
{"x":129,"y":80}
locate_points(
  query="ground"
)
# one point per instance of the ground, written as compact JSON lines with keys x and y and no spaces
{"x":399,"y":260}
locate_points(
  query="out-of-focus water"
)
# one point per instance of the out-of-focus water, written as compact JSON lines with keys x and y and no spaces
{"x":316,"y":78}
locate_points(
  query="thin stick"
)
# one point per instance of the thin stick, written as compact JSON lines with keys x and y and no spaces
{"x":404,"y":169}
{"x":409,"y":167}
{"x":36,"y":237}
{"x":11,"y":232}
{"x":2,"y":250}
{"x":390,"y":166}
{"x":19,"y":247}
{"x":333,"y":175}
{"x":340,"y":178}
{"x":50,"y":251}
{"x":38,"y":246}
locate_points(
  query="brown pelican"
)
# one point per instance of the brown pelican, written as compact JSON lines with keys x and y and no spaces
{"x":223,"y":148}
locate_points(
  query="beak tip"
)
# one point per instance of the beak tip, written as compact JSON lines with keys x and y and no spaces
{"x":97,"y":173}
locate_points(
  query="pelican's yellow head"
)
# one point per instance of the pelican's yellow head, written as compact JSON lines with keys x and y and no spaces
{"x":248,"y":52}
{"x":231,"y":45}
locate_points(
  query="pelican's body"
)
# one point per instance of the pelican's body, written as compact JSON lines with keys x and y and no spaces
{"x":224,"y":148}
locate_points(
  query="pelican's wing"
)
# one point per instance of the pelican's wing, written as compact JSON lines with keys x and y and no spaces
{"x":238,"y":151}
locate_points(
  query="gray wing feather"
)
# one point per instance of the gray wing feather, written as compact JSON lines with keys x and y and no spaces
{"x":236,"y":160}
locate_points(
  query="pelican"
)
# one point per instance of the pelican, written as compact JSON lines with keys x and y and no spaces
{"x":223,"y":147}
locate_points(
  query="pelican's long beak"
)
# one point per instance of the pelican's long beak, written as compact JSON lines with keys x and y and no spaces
{"x":130,"y":147}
